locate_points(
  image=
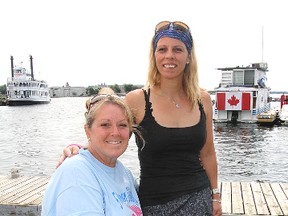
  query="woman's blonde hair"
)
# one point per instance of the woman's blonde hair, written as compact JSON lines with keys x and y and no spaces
{"x":190,"y":77}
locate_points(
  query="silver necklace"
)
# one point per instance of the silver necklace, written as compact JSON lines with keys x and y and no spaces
{"x":176,"y":104}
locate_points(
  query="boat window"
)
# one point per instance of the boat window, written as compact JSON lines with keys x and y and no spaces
{"x":254,"y":102}
{"x":238,"y":78}
{"x":245,"y":77}
{"x":249,"y":77}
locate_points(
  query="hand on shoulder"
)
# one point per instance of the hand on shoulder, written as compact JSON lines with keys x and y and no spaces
{"x":68,"y":151}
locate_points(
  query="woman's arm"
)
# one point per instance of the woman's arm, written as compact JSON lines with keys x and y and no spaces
{"x":208,"y":154}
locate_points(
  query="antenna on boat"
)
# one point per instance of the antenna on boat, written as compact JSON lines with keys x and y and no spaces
{"x":262,"y":43}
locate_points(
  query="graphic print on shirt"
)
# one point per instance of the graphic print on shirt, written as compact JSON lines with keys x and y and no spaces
{"x":126,"y":198}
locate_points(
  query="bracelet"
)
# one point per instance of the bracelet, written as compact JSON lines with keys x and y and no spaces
{"x":216,"y":200}
{"x":215,"y":191}
{"x":77,"y":145}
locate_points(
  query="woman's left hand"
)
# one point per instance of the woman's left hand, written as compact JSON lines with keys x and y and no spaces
{"x":217,"y":209}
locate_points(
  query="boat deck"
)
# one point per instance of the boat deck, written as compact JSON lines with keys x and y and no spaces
{"x":23,"y":196}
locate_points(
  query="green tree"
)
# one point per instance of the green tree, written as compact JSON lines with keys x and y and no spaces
{"x":131,"y":87}
{"x":115,"y":88}
{"x":91,"y":90}
{"x":3,"y":90}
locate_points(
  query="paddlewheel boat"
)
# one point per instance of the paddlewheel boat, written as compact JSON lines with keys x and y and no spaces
{"x":23,"y":89}
{"x":242,"y":94}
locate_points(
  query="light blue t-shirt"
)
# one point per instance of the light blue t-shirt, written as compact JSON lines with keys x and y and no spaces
{"x":84,"y":186}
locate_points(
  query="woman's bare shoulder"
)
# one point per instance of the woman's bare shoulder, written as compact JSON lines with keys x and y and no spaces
{"x":136,"y":102}
{"x":134,"y":93}
{"x":134,"y":97}
{"x":206,"y":99}
{"x":205,"y":95}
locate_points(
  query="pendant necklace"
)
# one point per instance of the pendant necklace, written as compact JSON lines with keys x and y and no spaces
{"x":176,"y":104}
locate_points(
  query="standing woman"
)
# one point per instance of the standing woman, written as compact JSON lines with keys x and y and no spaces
{"x":178,"y":160}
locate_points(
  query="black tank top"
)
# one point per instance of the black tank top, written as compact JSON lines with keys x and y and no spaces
{"x":169,"y":161}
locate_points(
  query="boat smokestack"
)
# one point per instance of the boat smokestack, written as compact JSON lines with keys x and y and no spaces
{"x":31,"y":67}
{"x":12,"y":66}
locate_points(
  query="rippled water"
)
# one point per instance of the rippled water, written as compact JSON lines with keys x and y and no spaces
{"x":32,"y":139}
{"x":248,"y":152}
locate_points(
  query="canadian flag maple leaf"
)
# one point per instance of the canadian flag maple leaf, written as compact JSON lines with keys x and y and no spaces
{"x":233,"y":101}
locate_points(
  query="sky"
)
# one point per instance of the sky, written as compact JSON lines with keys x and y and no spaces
{"x":92,"y":42}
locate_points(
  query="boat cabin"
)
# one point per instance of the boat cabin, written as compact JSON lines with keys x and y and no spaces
{"x":242,"y":93}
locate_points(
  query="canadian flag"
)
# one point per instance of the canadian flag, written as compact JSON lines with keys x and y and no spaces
{"x":233,"y":101}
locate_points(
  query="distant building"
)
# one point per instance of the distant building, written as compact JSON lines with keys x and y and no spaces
{"x":67,"y":91}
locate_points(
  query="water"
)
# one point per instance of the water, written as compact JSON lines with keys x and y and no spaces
{"x":248,"y":152}
{"x":32,"y":139}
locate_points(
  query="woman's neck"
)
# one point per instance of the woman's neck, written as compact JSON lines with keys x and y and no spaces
{"x":173,"y":90}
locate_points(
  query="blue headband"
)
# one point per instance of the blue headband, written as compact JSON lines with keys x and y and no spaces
{"x":185,"y":37}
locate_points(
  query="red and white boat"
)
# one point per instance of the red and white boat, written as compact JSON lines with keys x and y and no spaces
{"x":242,"y":94}
{"x":283,"y":115}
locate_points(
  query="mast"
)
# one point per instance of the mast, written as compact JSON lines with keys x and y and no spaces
{"x":31,"y":67}
{"x":12,"y":66}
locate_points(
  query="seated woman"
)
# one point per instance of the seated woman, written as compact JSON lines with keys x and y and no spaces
{"x":95,"y":182}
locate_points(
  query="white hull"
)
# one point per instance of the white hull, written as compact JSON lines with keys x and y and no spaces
{"x":23,"y":101}
{"x":17,"y":95}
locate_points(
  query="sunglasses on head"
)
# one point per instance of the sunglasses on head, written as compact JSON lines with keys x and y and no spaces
{"x":177,"y":25}
{"x":98,"y":98}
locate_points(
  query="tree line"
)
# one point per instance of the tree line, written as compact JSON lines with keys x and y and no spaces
{"x":92,"y":90}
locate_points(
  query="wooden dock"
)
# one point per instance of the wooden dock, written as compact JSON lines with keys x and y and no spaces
{"x":254,"y":198}
{"x":23,"y":196}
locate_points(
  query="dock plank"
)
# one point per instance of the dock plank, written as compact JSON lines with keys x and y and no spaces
{"x":284,"y":187}
{"x":282,"y":199}
{"x":237,"y":202}
{"x":248,"y":200}
{"x":271,"y":200}
{"x":226,"y":197}
{"x":260,"y":203}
